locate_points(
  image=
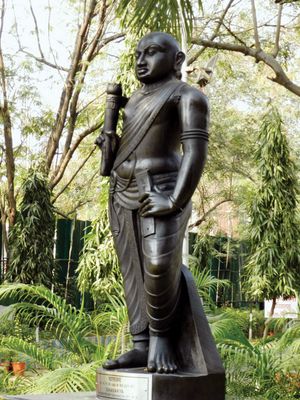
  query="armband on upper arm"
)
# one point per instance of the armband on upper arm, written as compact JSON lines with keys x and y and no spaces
{"x":194,"y":134}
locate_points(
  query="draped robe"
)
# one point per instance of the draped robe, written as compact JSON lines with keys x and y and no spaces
{"x":150,"y":264}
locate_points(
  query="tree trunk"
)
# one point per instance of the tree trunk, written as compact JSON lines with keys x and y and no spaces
{"x":267,"y":322}
{"x":70,"y":257}
{"x":7,"y":128}
{"x":3,"y":227}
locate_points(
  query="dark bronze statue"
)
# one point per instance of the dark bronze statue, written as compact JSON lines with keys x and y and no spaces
{"x":154,"y":169}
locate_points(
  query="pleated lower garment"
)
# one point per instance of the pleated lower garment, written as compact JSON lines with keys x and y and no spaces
{"x":150,"y":266}
{"x":162,"y":253}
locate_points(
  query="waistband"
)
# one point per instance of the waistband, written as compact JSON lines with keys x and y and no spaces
{"x":126,"y":192}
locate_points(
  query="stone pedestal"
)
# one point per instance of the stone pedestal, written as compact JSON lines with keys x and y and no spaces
{"x":135,"y":384}
{"x":201,"y":375}
{"x":53,"y":396}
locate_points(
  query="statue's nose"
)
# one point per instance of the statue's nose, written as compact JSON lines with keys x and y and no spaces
{"x":141,"y":60}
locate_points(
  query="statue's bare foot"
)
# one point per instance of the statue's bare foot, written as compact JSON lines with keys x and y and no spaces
{"x":132,"y":359}
{"x":161,"y":356}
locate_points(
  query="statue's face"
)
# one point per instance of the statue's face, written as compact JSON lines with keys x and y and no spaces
{"x":155,"y":58}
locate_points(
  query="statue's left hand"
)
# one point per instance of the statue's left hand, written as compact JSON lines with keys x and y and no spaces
{"x":155,"y":204}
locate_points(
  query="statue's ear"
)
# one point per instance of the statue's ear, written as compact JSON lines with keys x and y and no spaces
{"x":179,"y":59}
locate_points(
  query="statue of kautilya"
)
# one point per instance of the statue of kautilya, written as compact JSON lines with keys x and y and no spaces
{"x":154,"y":169}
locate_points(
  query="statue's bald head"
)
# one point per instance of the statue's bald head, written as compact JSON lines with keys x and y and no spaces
{"x":159,"y":53}
{"x":164,"y":39}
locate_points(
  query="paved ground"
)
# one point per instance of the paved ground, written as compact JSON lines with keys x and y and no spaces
{"x":56,"y":396}
{"x":66,"y":396}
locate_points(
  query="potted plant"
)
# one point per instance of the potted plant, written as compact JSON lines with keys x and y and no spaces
{"x":18,"y":364}
{"x":5,"y":359}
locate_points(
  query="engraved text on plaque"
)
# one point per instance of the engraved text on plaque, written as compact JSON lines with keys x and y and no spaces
{"x":124,"y":386}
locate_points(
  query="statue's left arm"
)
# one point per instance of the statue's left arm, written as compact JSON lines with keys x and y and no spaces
{"x":194,"y":117}
{"x":194,"y":113}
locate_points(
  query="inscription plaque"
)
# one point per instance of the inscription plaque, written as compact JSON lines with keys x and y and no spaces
{"x":123,"y":386}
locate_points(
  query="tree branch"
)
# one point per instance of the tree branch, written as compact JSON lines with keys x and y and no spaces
{"x":278,"y":30}
{"x":91,"y":51}
{"x":84,"y":107}
{"x":233,"y":34}
{"x":109,"y":39}
{"x":55,"y":179}
{"x":255,"y":25}
{"x":79,"y":84}
{"x":37,"y":32}
{"x":49,"y":38}
{"x":80,"y":203}
{"x":74,"y":175}
{"x":61,"y":213}
{"x":213,"y":36}
{"x":69,"y":85}
{"x":44,"y":61}
{"x":280,"y":76}
{"x":205,"y":215}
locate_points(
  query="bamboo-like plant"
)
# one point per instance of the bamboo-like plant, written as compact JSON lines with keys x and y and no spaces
{"x":31,"y":239}
{"x":273,"y":269}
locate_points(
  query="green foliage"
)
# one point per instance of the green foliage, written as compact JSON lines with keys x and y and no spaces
{"x":257,"y":370}
{"x":253,"y":370}
{"x":242,"y":318}
{"x":113,"y":321}
{"x":19,"y":349}
{"x":202,"y":248}
{"x":273,"y":268}
{"x":98,"y":269}
{"x":126,"y":74}
{"x":266,"y":370}
{"x":31,"y":239}
{"x":157,"y":15}
{"x":72,"y":367}
{"x":206,"y":282}
{"x":65,"y":379}
{"x":38,"y":306}
{"x":39,"y":126}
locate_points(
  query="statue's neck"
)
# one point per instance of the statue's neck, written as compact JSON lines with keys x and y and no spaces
{"x":152,"y":87}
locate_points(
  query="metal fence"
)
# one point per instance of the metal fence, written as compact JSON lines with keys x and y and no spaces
{"x":225,"y":262}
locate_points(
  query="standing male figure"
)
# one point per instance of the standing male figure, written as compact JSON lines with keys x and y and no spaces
{"x":157,"y":167}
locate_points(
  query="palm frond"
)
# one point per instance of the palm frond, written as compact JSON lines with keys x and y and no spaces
{"x":113,"y":323}
{"x":206,"y":282}
{"x":46,"y":358}
{"x":152,"y":15}
{"x":225,"y":328}
{"x":68,"y":379}
{"x":40,"y":306}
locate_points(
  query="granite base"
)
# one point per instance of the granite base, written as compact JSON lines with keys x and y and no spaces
{"x":136,"y":384}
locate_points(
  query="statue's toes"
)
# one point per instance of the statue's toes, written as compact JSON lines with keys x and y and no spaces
{"x":172,"y":368}
{"x":166,"y":369}
{"x":160,"y":369}
{"x":169,"y":366}
{"x":151,"y":367}
{"x":111,"y":364}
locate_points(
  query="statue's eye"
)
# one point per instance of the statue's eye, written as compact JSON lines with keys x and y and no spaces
{"x":151,"y":51}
